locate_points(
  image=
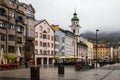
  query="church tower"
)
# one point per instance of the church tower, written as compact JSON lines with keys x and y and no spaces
{"x":75,"y":24}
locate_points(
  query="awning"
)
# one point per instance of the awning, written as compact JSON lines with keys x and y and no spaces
{"x":70,"y":57}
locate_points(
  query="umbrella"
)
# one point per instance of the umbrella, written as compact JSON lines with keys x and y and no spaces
{"x":1,"y":55}
{"x":18,"y":54}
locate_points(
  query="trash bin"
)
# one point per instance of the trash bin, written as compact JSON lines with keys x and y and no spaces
{"x":34,"y":73}
{"x":60,"y":68}
{"x":77,"y":67}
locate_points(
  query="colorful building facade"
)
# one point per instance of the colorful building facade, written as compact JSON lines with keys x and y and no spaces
{"x":59,"y":41}
{"x":102,"y":51}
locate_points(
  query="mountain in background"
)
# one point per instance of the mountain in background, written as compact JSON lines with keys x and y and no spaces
{"x":112,"y":38}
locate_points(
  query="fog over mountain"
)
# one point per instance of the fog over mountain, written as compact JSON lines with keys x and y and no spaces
{"x":104,"y":37}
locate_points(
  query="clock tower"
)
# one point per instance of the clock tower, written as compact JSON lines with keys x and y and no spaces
{"x":75,"y":24}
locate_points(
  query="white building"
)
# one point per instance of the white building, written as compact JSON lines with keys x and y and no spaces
{"x":70,"y":44}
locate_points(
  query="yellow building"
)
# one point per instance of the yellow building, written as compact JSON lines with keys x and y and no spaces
{"x":102,"y":51}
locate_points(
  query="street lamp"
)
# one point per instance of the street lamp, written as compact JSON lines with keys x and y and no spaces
{"x":109,"y":53}
{"x":96,"y":48}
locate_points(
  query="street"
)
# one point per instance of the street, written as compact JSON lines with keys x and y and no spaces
{"x":108,"y":72}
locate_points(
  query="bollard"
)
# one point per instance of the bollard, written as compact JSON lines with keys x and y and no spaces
{"x":61,"y":68}
{"x":34,"y":73}
{"x":93,"y":65}
{"x":77,"y":67}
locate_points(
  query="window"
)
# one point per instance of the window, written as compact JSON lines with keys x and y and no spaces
{"x":51,"y":52}
{"x":73,"y":31}
{"x":11,"y":37}
{"x":45,"y":52}
{"x":36,"y":34}
{"x":48,"y":44}
{"x":40,"y":28}
{"x":36,"y":43}
{"x":19,"y":39}
{"x":19,"y":29}
{"x":52,"y":38}
{"x":44,"y":36}
{"x":3,"y":37}
{"x":2,"y":11}
{"x":11,"y":26}
{"x":2,"y":46}
{"x":12,"y":14}
{"x":36,"y":51}
{"x":40,"y":35}
{"x":40,"y":43}
{"x":48,"y":52}
{"x":57,"y":46}
{"x":74,"y":23}
{"x":2,"y":25}
{"x":52,"y":45}
{"x":11,"y":2}
{"x":48,"y":30}
{"x":57,"y":38}
{"x":44,"y":44}
{"x":19,"y":19}
{"x":11,"y":49}
{"x":40,"y":51}
{"x":48,"y":36}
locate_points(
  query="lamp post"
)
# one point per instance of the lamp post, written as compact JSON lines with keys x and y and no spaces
{"x":25,"y":54}
{"x":109,"y":53}
{"x":96,"y":48}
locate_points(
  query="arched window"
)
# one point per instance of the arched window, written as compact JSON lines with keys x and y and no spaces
{"x":19,"y":19}
{"x":2,"y":11}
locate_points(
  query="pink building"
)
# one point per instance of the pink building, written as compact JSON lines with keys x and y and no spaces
{"x":44,"y":43}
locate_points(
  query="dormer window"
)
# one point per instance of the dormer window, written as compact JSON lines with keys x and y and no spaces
{"x":28,"y":13}
{"x":48,"y":30}
{"x":12,"y":14}
{"x":40,"y":28}
{"x":12,"y":2}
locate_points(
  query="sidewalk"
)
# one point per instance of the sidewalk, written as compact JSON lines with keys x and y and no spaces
{"x":51,"y":73}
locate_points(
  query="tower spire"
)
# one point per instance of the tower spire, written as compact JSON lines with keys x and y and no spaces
{"x":75,"y":10}
{"x":75,"y":23}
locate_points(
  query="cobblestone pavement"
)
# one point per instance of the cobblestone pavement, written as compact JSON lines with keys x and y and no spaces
{"x":108,"y":72}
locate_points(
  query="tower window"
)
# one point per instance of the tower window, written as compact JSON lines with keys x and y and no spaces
{"x":73,"y":31}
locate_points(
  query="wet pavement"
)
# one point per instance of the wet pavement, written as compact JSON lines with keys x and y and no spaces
{"x":108,"y":72}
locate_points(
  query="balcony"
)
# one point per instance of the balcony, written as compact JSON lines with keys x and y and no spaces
{"x":3,"y":31}
{"x":11,"y":42}
{"x":30,"y":34}
{"x":3,"y":17}
{"x":3,"y":14}
{"x":11,"y":31}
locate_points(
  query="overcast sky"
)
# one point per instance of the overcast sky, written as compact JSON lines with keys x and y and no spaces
{"x":93,"y":14}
